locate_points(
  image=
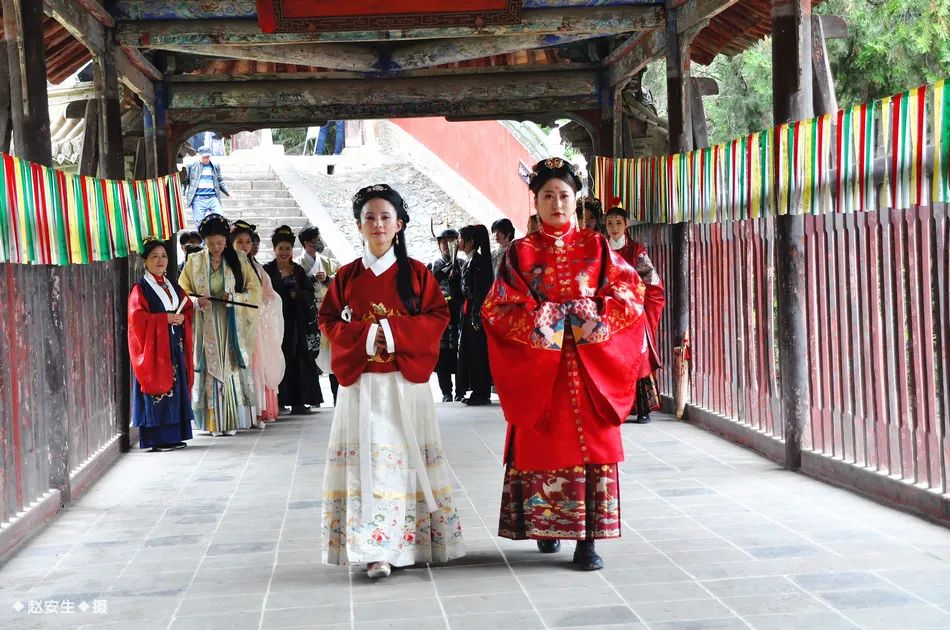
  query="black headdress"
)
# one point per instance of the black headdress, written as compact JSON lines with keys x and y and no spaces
{"x":242,"y":227}
{"x":550,"y":168}
{"x":214,"y":225}
{"x":150,"y":244}
{"x":308,"y":234}
{"x":283,"y":234}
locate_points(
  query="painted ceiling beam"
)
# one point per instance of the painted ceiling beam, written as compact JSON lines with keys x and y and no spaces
{"x":278,"y":95}
{"x":600,"y":20}
{"x":696,"y":13}
{"x":88,"y":23}
{"x":633,"y":56}
{"x":142,"y":10}
{"x":357,"y":58}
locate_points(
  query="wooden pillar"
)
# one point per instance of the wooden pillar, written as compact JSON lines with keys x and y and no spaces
{"x":164,"y":160}
{"x":6,"y":120}
{"x":89,"y":154}
{"x":148,"y":125}
{"x":111,"y":157}
{"x":23,"y":31}
{"x":29,"y":112}
{"x":681,"y":141}
{"x":112,"y":166}
{"x":792,"y":100}
{"x":824,"y":99}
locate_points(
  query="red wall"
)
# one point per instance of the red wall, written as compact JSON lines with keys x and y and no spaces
{"x":485,"y":154}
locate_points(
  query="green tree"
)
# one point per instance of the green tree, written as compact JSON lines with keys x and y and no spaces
{"x":892,"y":45}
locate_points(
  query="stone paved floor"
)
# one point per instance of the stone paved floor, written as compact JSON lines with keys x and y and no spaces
{"x":225,"y":534}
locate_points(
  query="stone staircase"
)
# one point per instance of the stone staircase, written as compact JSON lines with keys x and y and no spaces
{"x":259,"y":197}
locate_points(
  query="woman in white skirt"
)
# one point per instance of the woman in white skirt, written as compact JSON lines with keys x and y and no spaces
{"x":387,"y":495}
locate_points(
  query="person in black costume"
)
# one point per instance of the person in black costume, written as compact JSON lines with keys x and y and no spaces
{"x":478,"y":275}
{"x":301,"y":384}
{"x":447,"y":271}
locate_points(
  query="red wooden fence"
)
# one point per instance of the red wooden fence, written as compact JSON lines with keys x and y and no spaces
{"x":878,"y":321}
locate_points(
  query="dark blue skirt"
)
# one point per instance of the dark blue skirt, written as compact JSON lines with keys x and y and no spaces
{"x":166,"y":420}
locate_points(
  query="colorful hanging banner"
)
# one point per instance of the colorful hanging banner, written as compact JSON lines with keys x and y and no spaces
{"x":861,"y":158}
{"x":50,"y":218}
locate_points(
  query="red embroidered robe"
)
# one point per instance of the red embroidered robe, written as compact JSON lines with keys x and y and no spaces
{"x":149,"y":347}
{"x":654,"y":299}
{"x":370,"y":299}
{"x":564,"y":400}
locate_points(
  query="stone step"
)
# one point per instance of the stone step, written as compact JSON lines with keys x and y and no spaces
{"x":254,"y":184}
{"x":260,"y":194}
{"x":247,"y":174}
{"x":280,"y":202}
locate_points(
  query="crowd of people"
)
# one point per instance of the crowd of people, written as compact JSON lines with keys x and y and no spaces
{"x":576,"y":299}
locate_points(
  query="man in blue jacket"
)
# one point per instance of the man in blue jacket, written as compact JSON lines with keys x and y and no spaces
{"x":205,"y":186}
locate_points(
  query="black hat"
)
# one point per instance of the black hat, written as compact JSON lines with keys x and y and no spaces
{"x":308,"y":234}
{"x":283,"y":234}
{"x":550,"y":168}
{"x":242,"y":227}
{"x":214,"y":225}
{"x":448,"y":234}
{"x":188,"y":235}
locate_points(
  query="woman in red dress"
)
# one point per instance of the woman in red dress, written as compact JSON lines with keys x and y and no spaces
{"x":571,"y":311}
{"x":653,"y":301}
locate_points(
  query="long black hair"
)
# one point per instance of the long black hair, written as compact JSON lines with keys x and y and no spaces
{"x":217,"y":225}
{"x":481,"y":258}
{"x":407,"y":292}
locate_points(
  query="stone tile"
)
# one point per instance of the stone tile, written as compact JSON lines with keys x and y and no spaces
{"x":839,"y":581}
{"x":793,"y":621}
{"x":718,"y":623}
{"x":486,"y":603}
{"x":664,"y":592}
{"x":589,"y":617}
{"x":306,"y":617}
{"x":521,"y":621}
{"x":435,"y":623}
{"x":400,"y":609}
{"x":799,"y":602}
{"x":231,"y":620}
{"x":570,"y":597}
{"x":869,"y":598}
{"x":744,"y":587}
{"x":684,"y":610}
{"x":917,"y":617}
{"x":246,"y":603}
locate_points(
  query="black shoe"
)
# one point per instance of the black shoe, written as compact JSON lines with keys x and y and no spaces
{"x":300,"y":410}
{"x":549,"y":546}
{"x":586,"y":558}
{"x":447,"y":398}
{"x":644,"y":419}
{"x":477,"y":402}
{"x":460,"y":398}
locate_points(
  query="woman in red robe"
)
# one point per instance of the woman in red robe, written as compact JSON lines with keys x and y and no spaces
{"x":387,"y":493}
{"x":160,"y":317}
{"x":571,"y":311}
{"x":654,"y":298}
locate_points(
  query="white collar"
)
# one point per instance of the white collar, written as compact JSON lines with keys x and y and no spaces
{"x":379,"y":265}
{"x":170,"y":304}
{"x":619,"y":243}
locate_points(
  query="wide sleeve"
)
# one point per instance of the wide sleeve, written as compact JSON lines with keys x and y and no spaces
{"x":416,"y":337}
{"x":185,"y":280}
{"x":149,"y":347}
{"x":189,"y":313}
{"x":522,"y":331}
{"x":347,"y":338}
{"x":613,"y":355}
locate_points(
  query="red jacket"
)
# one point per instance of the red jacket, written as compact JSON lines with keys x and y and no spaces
{"x":565,"y":374}
{"x":370,"y":299}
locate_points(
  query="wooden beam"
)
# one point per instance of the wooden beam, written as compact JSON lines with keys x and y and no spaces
{"x":26,"y":62}
{"x":299,"y":116}
{"x":359,"y":58}
{"x":192,"y":32}
{"x":408,"y":74}
{"x":633,"y":56}
{"x":696,"y":13}
{"x":137,"y":73}
{"x":833,"y":26}
{"x":357,"y":93}
{"x":706,"y":86}
{"x":91,"y":24}
{"x":203,"y":9}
